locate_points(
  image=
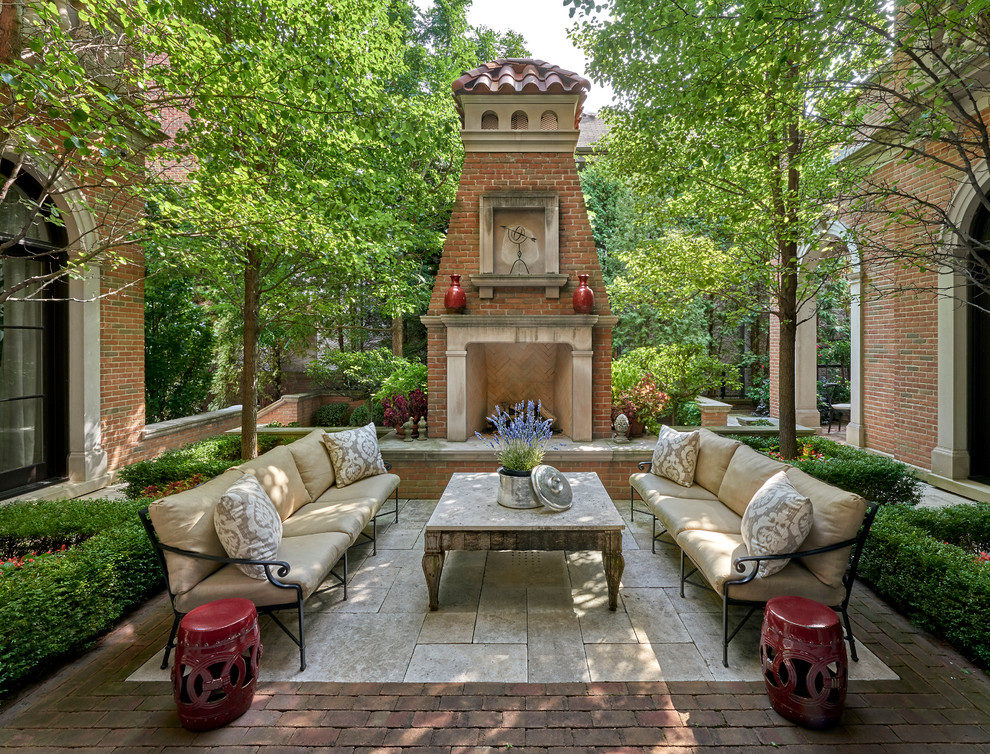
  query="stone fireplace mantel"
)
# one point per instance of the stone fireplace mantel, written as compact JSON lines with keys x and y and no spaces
{"x":566,"y":340}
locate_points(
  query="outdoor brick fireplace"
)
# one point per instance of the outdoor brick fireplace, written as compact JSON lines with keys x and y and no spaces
{"x":519,"y":237}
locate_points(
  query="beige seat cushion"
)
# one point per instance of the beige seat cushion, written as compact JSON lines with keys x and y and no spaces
{"x":745,"y":474}
{"x":343,"y":509}
{"x":651,"y":487}
{"x":714,"y":454}
{"x":185,"y":520}
{"x":714,"y":552}
{"x":837,"y":517}
{"x":277,"y":472}
{"x":678,"y":514}
{"x":313,"y":462}
{"x":310,"y":558}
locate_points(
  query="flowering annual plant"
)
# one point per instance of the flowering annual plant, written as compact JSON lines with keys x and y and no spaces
{"x":172,"y":488}
{"x":396,"y":411}
{"x":417,"y":404}
{"x":16,"y":563}
{"x":520,"y":438}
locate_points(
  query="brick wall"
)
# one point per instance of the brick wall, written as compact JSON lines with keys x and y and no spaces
{"x":484,"y":173}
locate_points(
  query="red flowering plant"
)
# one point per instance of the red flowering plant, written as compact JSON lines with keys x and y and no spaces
{"x":396,"y":411}
{"x":181,"y":485}
{"x":16,"y":563}
{"x":644,"y":402}
{"x":417,"y":404}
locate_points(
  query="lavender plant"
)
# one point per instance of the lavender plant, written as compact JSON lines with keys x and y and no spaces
{"x":520,"y":440}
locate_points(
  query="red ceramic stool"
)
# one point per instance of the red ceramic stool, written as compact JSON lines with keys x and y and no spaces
{"x":804,"y":661}
{"x":217,"y":653}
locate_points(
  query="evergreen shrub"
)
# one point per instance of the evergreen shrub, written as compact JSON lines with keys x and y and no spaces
{"x":332,"y":415}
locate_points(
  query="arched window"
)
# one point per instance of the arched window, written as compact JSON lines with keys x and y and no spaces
{"x":548,"y":121}
{"x":520,"y":121}
{"x":33,"y":343}
{"x":489,"y":121}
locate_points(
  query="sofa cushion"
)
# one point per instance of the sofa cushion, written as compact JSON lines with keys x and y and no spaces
{"x":677,"y":515}
{"x":714,"y":552}
{"x":714,"y":454}
{"x":355,"y":454}
{"x":185,"y":520}
{"x":310,"y":559}
{"x":776,"y":521}
{"x":676,"y":455}
{"x":837,"y":517}
{"x":248,"y":525}
{"x":745,"y":474}
{"x":650,"y":487}
{"x":344,"y":509}
{"x":277,"y":472}
{"x":313,"y":462}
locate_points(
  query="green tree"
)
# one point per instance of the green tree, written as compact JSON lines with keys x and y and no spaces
{"x":720,"y":119}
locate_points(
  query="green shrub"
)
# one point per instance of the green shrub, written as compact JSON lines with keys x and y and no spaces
{"x":406,"y":377}
{"x":208,"y":457}
{"x":41,"y":525}
{"x":378,"y":413}
{"x":331,"y":415}
{"x":877,"y":478}
{"x":58,"y":605}
{"x":353,"y":370}
{"x":361,"y":416}
{"x":922,"y":561}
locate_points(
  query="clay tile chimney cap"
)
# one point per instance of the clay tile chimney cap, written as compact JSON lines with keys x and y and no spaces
{"x":521,"y":76}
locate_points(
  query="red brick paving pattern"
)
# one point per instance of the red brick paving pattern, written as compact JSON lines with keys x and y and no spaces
{"x":941,"y":704}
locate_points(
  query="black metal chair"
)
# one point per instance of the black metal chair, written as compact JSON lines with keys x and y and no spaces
{"x":834,"y":410}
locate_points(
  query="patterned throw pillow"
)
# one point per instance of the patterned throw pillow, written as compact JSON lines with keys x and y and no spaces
{"x":676,"y":455}
{"x":776,"y":521}
{"x":355,"y":454}
{"x":248,"y":524}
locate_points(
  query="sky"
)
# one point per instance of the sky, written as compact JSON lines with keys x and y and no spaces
{"x":544,"y":24}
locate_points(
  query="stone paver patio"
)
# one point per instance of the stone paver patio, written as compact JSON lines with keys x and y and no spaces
{"x":910,"y":692}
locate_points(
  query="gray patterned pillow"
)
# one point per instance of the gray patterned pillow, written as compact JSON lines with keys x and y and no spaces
{"x":248,"y":524}
{"x":355,"y":454}
{"x":776,"y":521}
{"x":676,"y":455}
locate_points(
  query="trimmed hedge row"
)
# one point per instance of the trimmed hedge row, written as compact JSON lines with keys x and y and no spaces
{"x":208,"y":457}
{"x":924,"y":562}
{"x":57,"y":605}
{"x":877,"y":478}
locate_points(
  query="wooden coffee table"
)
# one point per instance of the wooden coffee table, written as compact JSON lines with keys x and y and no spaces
{"x":468,"y":518}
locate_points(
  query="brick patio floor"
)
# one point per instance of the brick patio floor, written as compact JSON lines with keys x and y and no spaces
{"x":941,"y":704}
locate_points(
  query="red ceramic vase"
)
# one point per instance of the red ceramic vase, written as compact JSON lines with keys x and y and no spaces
{"x":584,"y":297}
{"x":455,"y":300}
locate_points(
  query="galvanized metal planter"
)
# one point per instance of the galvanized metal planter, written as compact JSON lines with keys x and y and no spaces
{"x":515,"y":489}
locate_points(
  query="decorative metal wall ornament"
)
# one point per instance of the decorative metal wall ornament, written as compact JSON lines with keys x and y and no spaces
{"x":518,"y":235}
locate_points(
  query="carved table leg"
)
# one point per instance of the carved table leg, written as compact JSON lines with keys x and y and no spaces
{"x":614,"y":565}
{"x":432,"y":567}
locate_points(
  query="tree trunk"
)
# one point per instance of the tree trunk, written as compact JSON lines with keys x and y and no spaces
{"x":787,"y":300}
{"x":249,"y":374}
{"x":397,"y":335}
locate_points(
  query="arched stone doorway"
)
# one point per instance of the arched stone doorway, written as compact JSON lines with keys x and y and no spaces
{"x":33,"y":341}
{"x":979,"y":354}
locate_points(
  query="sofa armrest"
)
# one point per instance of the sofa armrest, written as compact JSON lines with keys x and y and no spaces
{"x":388,"y":466}
{"x":282,"y":567}
{"x":737,"y":564}
{"x":644,"y":465}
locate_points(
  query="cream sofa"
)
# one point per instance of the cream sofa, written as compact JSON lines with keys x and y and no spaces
{"x":705,"y":519}
{"x":319,"y":522}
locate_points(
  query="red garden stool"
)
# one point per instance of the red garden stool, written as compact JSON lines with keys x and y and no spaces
{"x":804,"y":661}
{"x":217,"y":653}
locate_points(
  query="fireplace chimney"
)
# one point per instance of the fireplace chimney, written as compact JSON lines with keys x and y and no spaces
{"x":519,"y":237}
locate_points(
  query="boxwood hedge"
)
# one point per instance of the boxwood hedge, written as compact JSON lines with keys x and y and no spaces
{"x":55,"y":605}
{"x":926,"y":563}
{"x":877,"y":478}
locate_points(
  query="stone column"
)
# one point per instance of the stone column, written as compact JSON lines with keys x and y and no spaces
{"x":457,"y":417}
{"x":806,"y":369}
{"x":581,"y":392}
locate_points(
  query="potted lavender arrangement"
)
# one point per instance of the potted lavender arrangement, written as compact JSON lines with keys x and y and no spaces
{"x":520,"y":440}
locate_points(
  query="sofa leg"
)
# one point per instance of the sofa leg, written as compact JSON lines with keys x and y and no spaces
{"x":374,"y":535}
{"x":849,"y":634}
{"x":632,"y":504}
{"x":653,"y":544}
{"x":682,"y":573}
{"x":171,"y":639}
{"x":725,"y":632}
{"x":302,"y":638}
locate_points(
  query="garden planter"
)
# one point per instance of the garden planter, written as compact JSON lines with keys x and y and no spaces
{"x":515,"y":489}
